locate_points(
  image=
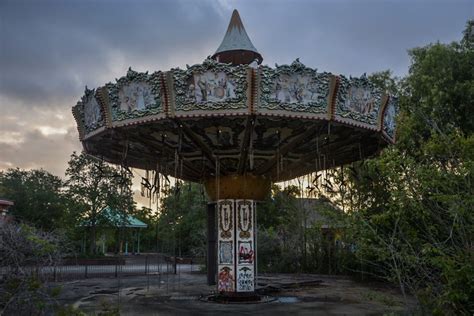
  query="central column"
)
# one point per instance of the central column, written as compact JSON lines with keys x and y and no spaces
{"x":236,"y":252}
{"x":236,"y":197}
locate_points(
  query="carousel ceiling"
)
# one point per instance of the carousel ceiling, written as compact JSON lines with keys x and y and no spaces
{"x":281,"y":122}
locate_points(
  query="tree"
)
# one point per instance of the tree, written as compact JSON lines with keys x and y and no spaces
{"x":181,"y":225}
{"x":148,"y":236}
{"x":437,"y":95}
{"x":412,"y":218}
{"x":38,"y":197}
{"x":278,"y":206}
{"x":28,"y":254}
{"x":94,"y":185}
{"x":281,"y":231}
{"x":385,"y":81}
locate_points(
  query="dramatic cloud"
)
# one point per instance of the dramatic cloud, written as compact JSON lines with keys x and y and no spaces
{"x":51,"y":49}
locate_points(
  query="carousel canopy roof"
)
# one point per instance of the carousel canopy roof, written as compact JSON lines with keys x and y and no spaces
{"x":218,"y":119}
{"x":236,"y":37}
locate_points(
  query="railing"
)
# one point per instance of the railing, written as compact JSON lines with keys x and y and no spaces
{"x":113,"y":267}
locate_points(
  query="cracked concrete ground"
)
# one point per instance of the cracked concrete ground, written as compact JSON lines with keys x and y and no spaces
{"x":185,"y":294}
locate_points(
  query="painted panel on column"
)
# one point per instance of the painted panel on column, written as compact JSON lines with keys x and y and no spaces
{"x":246,"y":253}
{"x":226,"y":219}
{"x":245,"y":279}
{"x":226,"y":251}
{"x":245,"y":245}
{"x":244,"y":219}
{"x":225,"y":279}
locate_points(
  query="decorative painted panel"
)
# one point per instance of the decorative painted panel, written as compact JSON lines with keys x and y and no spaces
{"x":245,"y":245}
{"x":226,"y":219}
{"x":226,"y":279}
{"x":294,"y":88}
{"x":358,"y":99}
{"x":389,"y":123}
{"x":136,"y":95}
{"x":210,"y":86}
{"x":244,"y":219}
{"x":89,"y":111}
{"x":226,"y":251}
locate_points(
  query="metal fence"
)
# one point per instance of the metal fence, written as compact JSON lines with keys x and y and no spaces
{"x":113,"y":267}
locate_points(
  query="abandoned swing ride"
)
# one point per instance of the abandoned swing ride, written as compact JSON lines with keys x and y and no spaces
{"x":236,"y":126}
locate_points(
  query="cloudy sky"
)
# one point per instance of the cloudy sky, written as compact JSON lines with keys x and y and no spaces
{"x":51,"y":49}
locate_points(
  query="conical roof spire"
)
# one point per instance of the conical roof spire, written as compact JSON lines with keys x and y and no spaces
{"x":236,"y":46}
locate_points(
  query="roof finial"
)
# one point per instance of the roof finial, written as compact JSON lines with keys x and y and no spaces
{"x":236,"y":47}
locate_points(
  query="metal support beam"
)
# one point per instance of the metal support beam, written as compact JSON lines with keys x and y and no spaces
{"x":197,"y":141}
{"x":286,"y":148}
{"x":330,"y":150}
{"x":244,"y":149}
{"x":211,"y":244}
{"x":163,"y":148}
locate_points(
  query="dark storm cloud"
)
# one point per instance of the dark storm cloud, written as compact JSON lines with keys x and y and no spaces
{"x":51,"y":49}
{"x":353,"y":37}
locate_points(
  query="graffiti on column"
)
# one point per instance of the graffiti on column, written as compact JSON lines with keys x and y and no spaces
{"x":245,"y":252}
{"x":245,"y":280}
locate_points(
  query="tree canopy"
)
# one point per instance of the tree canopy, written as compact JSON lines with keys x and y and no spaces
{"x":181,"y":224}
{"x":38,"y":197}
{"x":412,"y":218}
{"x":95,"y":185}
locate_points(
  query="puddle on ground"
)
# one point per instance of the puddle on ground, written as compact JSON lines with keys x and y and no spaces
{"x":288,"y":299}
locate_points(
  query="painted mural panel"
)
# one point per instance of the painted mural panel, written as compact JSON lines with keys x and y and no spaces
{"x":226,"y":252}
{"x":135,"y":95}
{"x":210,"y":86}
{"x":358,"y":99}
{"x":245,"y":245}
{"x":226,"y":279}
{"x":226,"y":246}
{"x":244,"y":218}
{"x":90,"y":111}
{"x":389,"y":123}
{"x":294,"y":88}
{"x":226,"y":219}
